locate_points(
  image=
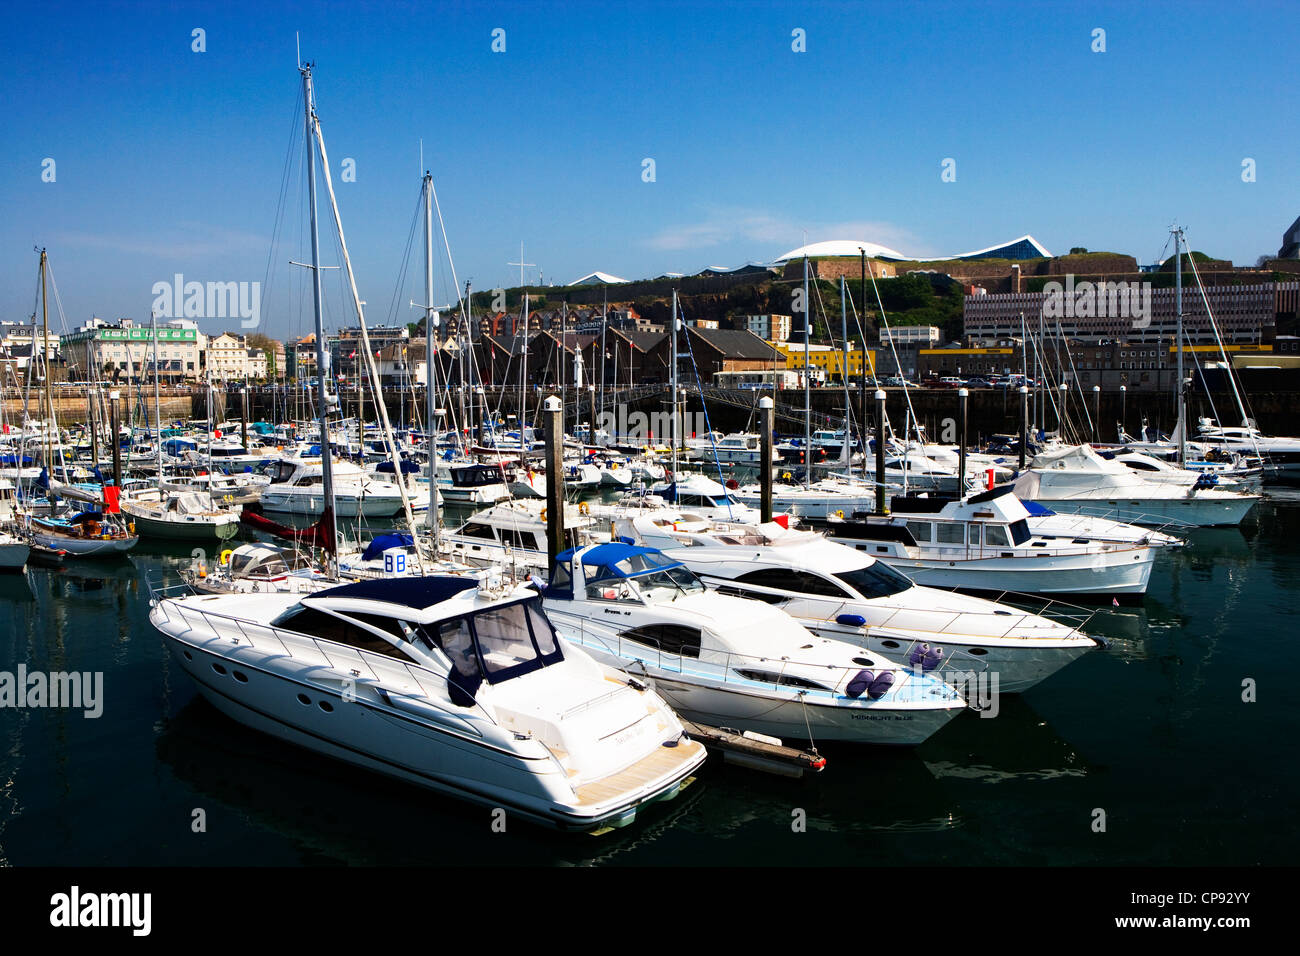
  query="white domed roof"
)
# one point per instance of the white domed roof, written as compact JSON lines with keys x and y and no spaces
{"x":842,"y":247}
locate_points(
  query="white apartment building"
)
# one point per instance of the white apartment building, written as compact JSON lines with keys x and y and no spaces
{"x":126,"y":350}
{"x":926,"y":336}
{"x":229,"y":359}
{"x":771,"y":328}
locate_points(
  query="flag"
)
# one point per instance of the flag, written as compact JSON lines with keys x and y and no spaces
{"x":354,"y":354}
{"x":1115,"y":601}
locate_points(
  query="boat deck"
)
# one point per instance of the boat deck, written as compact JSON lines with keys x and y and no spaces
{"x":645,"y":771}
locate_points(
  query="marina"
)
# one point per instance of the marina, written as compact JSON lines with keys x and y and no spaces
{"x":1130,"y":727}
{"x":546,"y":442}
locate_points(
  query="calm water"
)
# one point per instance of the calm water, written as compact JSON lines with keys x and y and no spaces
{"x":1153,"y":732}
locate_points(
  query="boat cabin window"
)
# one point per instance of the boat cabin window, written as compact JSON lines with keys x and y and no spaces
{"x":788,"y":579}
{"x":781,"y":680}
{"x":950,"y":532}
{"x":475,"y":530}
{"x":875,"y":580}
{"x":922,"y":531}
{"x":1020,"y":532}
{"x":669,"y":638}
{"x":500,"y":643}
{"x":279,"y":471}
{"x":995,"y":536}
{"x":316,"y":623}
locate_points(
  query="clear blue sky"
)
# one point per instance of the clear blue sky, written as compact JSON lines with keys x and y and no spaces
{"x":171,"y":161}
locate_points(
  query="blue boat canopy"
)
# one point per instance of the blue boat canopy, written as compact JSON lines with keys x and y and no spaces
{"x":619,"y":560}
{"x":1036,"y":510}
{"x":383,"y":542}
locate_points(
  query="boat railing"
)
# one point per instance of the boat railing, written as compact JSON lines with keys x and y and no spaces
{"x":365,"y":665}
{"x":998,"y":623}
{"x":727,"y":667}
{"x":1162,"y":523}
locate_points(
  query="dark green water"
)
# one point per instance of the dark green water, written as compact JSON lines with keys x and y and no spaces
{"x":1153,"y":732}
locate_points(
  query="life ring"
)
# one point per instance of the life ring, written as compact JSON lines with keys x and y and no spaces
{"x":225,"y":556}
{"x":839,"y":513}
{"x":543,"y":514}
{"x":584,"y":508}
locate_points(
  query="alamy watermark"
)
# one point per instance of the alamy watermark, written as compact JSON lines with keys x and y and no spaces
{"x":75,"y":690}
{"x":1119,"y":300}
{"x":656,"y":426}
{"x":213,"y":300}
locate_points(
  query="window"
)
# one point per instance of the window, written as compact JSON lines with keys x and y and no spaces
{"x":482,"y":531}
{"x":788,"y":579}
{"x":951,"y":532}
{"x":782,"y":680}
{"x":669,"y":638}
{"x":995,"y":536}
{"x":315,"y":623}
{"x":1020,"y":532}
{"x":922,"y":531}
{"x":875,"y":580}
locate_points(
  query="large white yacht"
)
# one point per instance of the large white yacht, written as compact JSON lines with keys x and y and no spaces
{"x":985,"y":543}
{"x":297,"y":487}
{"x":847,"y":595}
{"x":452,"y":683}
{"x":1076,"y":479}
{"x":1281,"y":456}
{"x":737,"y":663}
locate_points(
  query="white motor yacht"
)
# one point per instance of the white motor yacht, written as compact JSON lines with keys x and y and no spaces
{"x":731,"y":662}
{"x":1077,"y":479}
{"x":847,"y":595}
{"x":451,"y":683}
{"x":984,"y":543}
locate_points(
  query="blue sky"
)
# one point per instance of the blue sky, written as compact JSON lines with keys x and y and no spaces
{"x":171,"y":161}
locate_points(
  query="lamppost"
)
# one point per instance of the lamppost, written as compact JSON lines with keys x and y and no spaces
{"x":1096,"y":413}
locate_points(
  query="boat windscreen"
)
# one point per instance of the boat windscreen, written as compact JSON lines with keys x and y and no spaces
{"x":876,"y":580}
{"x":500,"y":643}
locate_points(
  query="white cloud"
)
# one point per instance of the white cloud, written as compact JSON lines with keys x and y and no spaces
{"x":724,"y":226}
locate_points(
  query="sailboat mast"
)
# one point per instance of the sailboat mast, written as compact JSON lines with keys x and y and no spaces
{"x":807,"y":381}
{"x":672,"y":378}
{"x":45,"y":361}
{"x":157,"y":410}
{"x":429,"y":318}
{"x":322,"y":354}
{"x":1178,"y":300}
{"x":844,"y":372}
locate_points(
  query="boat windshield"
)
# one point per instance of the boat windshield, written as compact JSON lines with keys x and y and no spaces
{"x":501,"y":642}
{"x":667,"y":583}
{"x":875,"y":580}
{"x":656,"y":577}
{"x":1020,"y":532}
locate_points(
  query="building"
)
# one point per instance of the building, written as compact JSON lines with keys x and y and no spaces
{"x":1243,"y":313}
{"x":345,"y":346}
{"x":17,"y":334}
{"x":1025,"y":247}
{"x":769,"y":328}
{"x":127,"y":351}
{"x":300,"y":358}
{"x":229,"y":359}
{"x":1291,"y":242}
{"x":827,"y":361}
{"x":923,"y":335}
